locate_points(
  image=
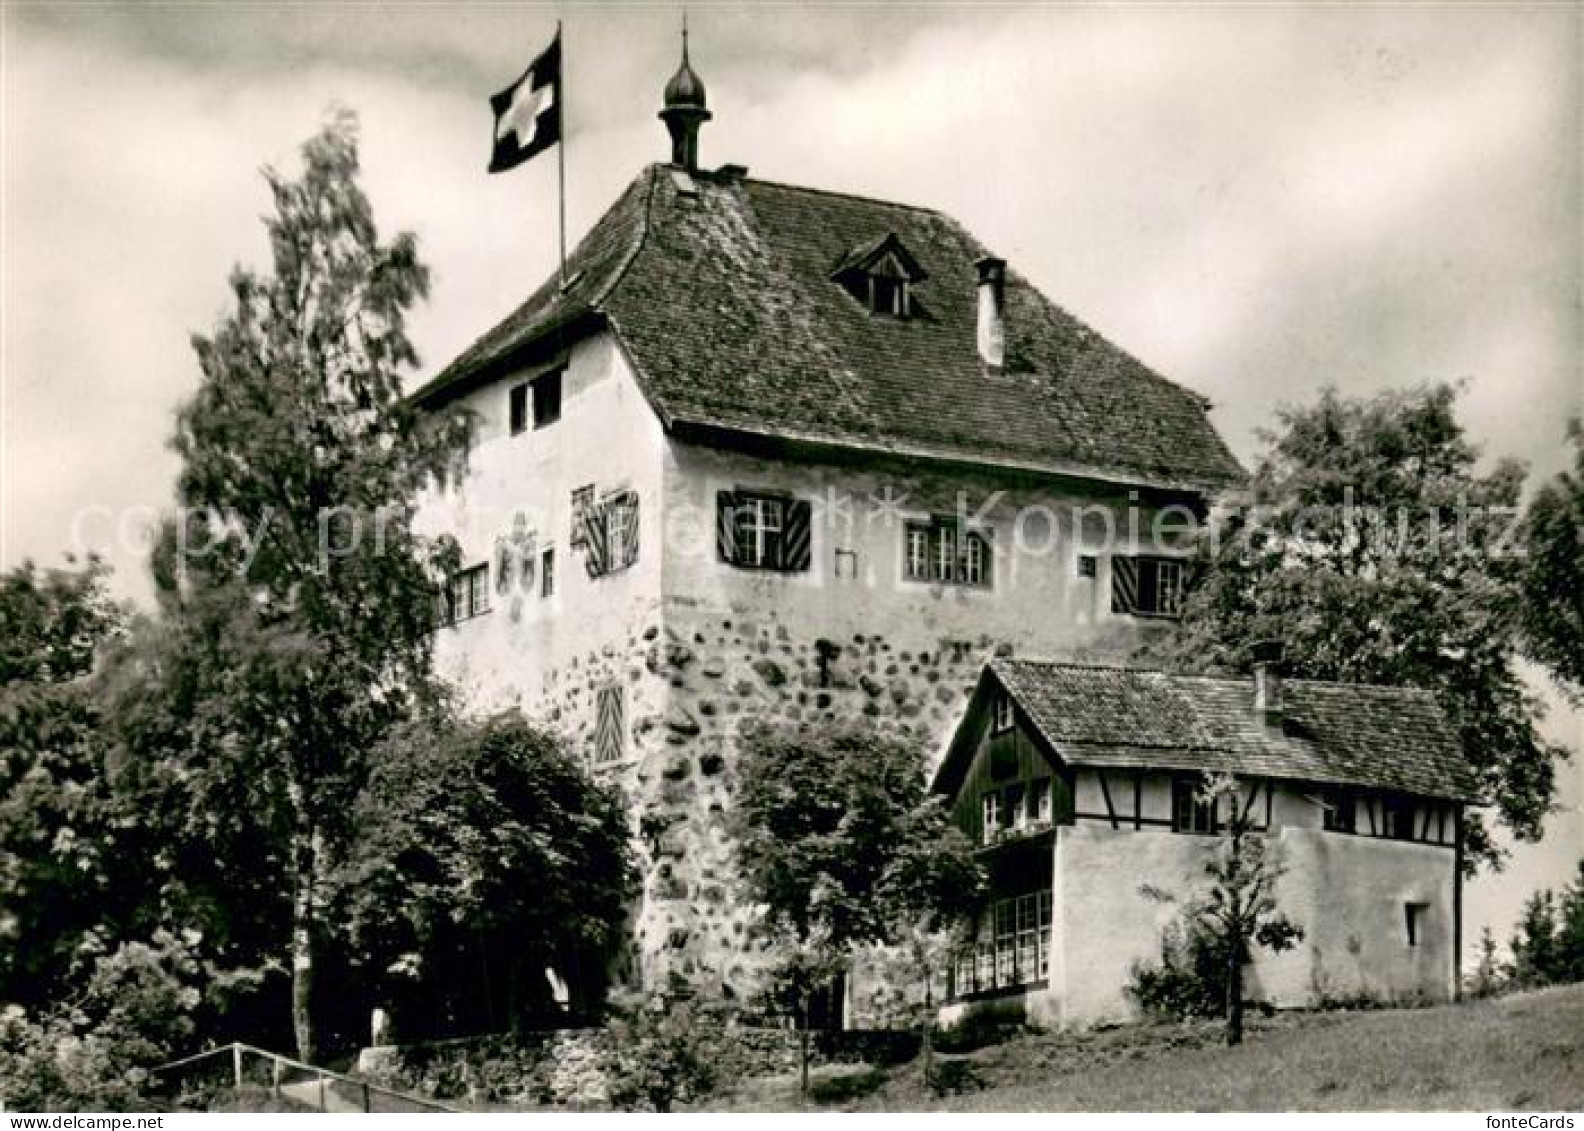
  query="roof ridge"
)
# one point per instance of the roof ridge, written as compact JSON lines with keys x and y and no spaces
{"x":842,"y":195}
{"x":1082,"y":665}
{"x":620,"y":273}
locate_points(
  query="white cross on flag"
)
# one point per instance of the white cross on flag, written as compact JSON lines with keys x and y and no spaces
{"x":528,"y":113}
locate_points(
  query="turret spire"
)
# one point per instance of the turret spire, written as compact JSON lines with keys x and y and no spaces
{"x":685,"y":109}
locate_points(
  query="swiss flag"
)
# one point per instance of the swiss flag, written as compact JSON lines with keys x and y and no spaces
{"x":528,"y":112}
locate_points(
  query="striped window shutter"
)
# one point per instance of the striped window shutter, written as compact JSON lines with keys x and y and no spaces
{"x":627,"y":515}
{"x":582,"y":499}
{"x":610,"y":724}
{"x":595,"y":544}
{"x":1124,"y":584}
{"x":726,"y":526}
{"x":795,"y":538}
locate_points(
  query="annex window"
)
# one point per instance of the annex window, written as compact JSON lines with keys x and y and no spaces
{"x":1414,"y":915}
{"x":1039,"y":801}
{"x":1397,"y":814}
{"x":466,"y":594}
{"x":1191,"y":811}
{"x":1013,"y":949}
{"x":764,"y":530}
{"x":547,"y":573}
{"x":610,"y":724}
{"x":1340,"y":814}
{"x":881,"y":274}
{"x":1003,"y":712}
{"x":940,"y":550}
{"x":990,"y":814}
{"x":1147,"y":587}
{"x":610,"y":533}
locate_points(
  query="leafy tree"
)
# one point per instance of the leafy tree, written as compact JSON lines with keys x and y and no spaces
{"x":1570,"y":931}
{"x":1553,"y":581}
{"x":298,"y":599}
{"x":1237,"y":911}
{"x":1488,"y":973}
{"x":1376,"y":551}
{"x":841,"y":846}
{"x":485,"y":837}
{"x":55,"y":832}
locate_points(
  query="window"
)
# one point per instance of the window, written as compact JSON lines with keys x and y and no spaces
{"x":1414,"y":915}
{"x":1088,"y":565}
{"x":518,"y":401}
{"x":1039,"y":801}
{"x":1341,"y":812}
{"x":1012,"y":811}
{"x":1191,"y":812}
{"x":888,"y":296}
{"x":1016,"y":951}
{"x":990,"y":817}
{"x":547,"y":573}
{"x":610,"y":724}
{"x":466,"y":595}
{"x":1397,"y":814}
{"x":759,"y":530}
{"x":1147,"y":587}
{"x":764,"y":530}
{"x":609,"y":532}
{"x":941,"y":551}
{"x":547,"y":399}
{"x":1003,"y":712}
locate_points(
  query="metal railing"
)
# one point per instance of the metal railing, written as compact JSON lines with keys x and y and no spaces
{"x":244,"y":1069}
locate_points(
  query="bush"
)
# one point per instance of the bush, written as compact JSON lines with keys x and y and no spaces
{"x":661,"y":1052}
{"x":1189,"y":980}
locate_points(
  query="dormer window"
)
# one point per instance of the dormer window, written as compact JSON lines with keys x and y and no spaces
{"x":881,"y":274}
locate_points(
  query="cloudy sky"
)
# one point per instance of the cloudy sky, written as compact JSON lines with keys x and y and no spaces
{"x":1257,"y":201}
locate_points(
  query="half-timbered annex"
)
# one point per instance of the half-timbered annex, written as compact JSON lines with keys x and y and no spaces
{"x":1080,"y":783}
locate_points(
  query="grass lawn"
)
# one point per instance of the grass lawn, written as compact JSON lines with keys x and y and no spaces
{"x":1522,"y":1052}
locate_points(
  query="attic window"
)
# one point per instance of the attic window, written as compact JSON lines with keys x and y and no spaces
{"x":880,"y":274}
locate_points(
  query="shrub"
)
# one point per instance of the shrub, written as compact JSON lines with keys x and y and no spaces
{"x":662,"y":1054}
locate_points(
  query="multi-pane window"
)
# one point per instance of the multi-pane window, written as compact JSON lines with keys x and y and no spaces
{"x":990,"y":814}
{"x":940,"y":550}
{"x":759,"y":530}
{"x":764,"y":530}
{"x":1192,"y":811}
{"x":466,"y":595}
{"x":1147,"y":587}
{"x":609,"y":531}
{"x":1088,"y":565}
{"x":1013,"y":949}
{"x":1003,"y":712}
{"x":543,"y":393}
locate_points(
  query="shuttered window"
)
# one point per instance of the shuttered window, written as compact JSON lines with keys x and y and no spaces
{"x":765,"y":531}
{"x":609,"y":533}
{"x":466,"y":595}
{"x":610,"y":724}
{"x":1147,"y":587}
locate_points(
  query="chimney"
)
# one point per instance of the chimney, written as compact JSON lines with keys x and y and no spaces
{"x":1268,"y":702}
{"x":992,"y":315}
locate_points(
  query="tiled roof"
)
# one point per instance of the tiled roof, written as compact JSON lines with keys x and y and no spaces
{"x":1392,"y":738}
{"x":720,"y":289}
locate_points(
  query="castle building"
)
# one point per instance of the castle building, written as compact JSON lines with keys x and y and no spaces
{"x":775,"y":453}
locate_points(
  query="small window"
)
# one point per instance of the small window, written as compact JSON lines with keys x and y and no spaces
{"x":1414,"y":916}
{"x":1147,"y":587}
{"x":610,"y":724}
{"x":547,"y":573}
{"x":1397,"y":814}
{"x":1192,"y":812}
{"x":990,"y":814}
{"x":759,"y":530}
{"x":1039,"y":801}
{"x":1003,"y":712}
{"x":1341,"y":812}
{"x":942,"y":551}
{"x":466,"y":595}
{"x":518,"y":402}
{"x":1088,"y":565}
{"x":610,"y":529}
{"x":888,"y":296}
{"x":1012,"y":806}
{"x":547,"y":399}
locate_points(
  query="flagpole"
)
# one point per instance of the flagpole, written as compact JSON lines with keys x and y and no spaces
{"x":561,"y":150}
